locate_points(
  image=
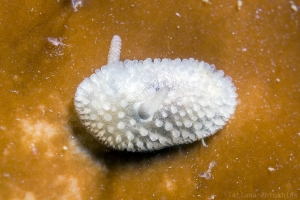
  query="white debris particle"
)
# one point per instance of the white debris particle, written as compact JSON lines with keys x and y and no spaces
{"x":207,"y":175}
{"x":239,"y":4}
{"x":299,"y":133}
{"x":76,"y":3}
{"x":278,"y":80}
{"x":271,"y":169}
{"x":178,"y":14}
{"x":244,"y":49}
{"x":206,"y":1}
{"x":15,"y":91}
{"x":293,"y":6}
{"x":65,"y":148}
{"x":55,"y":41}
{"x":212,"y":197}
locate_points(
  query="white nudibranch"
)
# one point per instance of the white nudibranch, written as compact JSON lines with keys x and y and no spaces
{"x":152,"y":104}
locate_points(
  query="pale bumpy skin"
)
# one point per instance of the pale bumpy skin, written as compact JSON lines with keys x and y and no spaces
{"x":152,"y":104}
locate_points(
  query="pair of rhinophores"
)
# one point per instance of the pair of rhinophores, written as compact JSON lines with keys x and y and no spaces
{"x":150,"y":104}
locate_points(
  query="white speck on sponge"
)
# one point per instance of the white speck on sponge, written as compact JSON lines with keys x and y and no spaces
{"x":271,"y":169}
{"x":294,"y":6}
{"x":55,"y":41}
{"x":207,"y":175}
{"x":152,"y":104}
{"x":239,"y":4}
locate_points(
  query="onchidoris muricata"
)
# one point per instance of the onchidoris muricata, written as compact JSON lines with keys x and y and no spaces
{"x":152,"y":104}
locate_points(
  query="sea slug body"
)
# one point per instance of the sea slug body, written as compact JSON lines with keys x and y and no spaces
{"x":152,"y":104}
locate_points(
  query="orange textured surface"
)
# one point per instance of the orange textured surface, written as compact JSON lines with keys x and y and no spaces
{"x":46,"y":154}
